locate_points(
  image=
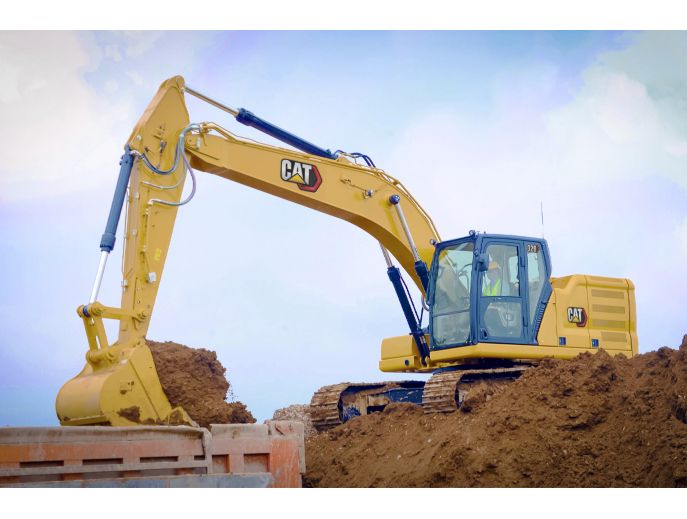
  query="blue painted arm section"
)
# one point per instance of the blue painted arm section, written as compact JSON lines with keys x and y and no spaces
{"x":247,"y":118}
{"x":422,"y":273}
{"x":108,"y":240}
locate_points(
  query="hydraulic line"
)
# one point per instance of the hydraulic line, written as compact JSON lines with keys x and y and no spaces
{"x":187,"y":167}
{"x":179,"y":152}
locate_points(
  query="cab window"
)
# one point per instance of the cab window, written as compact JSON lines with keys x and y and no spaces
{"x":500,"y":305}
{"x":502,"y":275}
{"x":451,"y":295}
{"x":536,"y":276}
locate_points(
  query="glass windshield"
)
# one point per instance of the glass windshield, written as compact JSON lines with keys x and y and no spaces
{"x":451,"y":296}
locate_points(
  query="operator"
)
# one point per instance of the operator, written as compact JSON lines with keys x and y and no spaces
{"x":492,"y":282}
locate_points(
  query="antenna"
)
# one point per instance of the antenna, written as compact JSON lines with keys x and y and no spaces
{"x":541,"y":208}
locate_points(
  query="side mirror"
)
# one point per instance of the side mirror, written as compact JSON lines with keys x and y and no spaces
{"x":483,"y":262}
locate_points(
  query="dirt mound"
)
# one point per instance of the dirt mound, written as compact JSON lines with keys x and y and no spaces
{"x":133,"y":414}
{"x":594,"y":421}
{"x":194,"y":379}
{"x":298,"y":413}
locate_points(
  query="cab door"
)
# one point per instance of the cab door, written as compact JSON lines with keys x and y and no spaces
{"x":501,"y":292}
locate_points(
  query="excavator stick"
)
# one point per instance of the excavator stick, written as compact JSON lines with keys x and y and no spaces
{"x":119,"y":384}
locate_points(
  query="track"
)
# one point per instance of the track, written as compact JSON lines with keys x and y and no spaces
{"x":325,"y":406}
{"x":443,"y":392}
{"x":332,"y":405}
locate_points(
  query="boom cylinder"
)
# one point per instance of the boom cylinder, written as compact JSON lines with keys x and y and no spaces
{"x":395,"y":277}
{"x":387,"y":258}
{"x":420,"y":266}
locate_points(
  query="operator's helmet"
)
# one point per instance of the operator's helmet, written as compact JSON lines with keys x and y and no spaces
{"x":493,"y":265}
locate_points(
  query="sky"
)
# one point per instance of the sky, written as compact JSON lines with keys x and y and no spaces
{"x":486,"y":129}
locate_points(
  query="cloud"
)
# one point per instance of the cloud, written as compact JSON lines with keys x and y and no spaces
{"x":608,"y":163}
{"x":681,"y":235}
{"x":615,"y":129}
{"x":138,"y":43}
{"x":69,"y":101}
{"x":58,"y":133}
{"x":113,"y":52}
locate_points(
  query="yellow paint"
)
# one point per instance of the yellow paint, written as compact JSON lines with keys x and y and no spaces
{"x":95,"y":395}
{"x":484,"y":350}
{"x":548,"y":332}
{"x":123,"y":375}
{"x":258,"y":166}
{"x":396,"y":351}
{"x":610,"y":307}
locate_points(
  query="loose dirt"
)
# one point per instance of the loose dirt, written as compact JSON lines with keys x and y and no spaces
{"x":133,"y":414}
{"x":195,"y":380}
{"x":594,"y":421}
{"x":298,"y":413}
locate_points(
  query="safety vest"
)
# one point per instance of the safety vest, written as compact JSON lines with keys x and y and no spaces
{"x":492,"y":290}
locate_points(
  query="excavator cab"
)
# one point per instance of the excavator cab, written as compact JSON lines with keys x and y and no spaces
{"x":488,"y":288}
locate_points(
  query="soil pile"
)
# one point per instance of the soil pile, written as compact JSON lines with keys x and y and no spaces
{"x":298,"y":413}
{"x":594,"y":421}
{"x":194,"y":379}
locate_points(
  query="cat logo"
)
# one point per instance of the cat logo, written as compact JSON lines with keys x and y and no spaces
{"x":306,"y":176}
{"x":577,"y":315}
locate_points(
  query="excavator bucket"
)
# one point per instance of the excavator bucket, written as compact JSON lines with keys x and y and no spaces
{"x":122,"y":389}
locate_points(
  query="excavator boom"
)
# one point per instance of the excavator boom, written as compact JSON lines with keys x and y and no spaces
{"x":159,"y":155}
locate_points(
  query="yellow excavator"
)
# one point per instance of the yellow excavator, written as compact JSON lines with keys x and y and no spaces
{"x":493,"y":308}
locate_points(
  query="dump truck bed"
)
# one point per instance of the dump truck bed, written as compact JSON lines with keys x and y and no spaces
{"x":241,"y":455}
